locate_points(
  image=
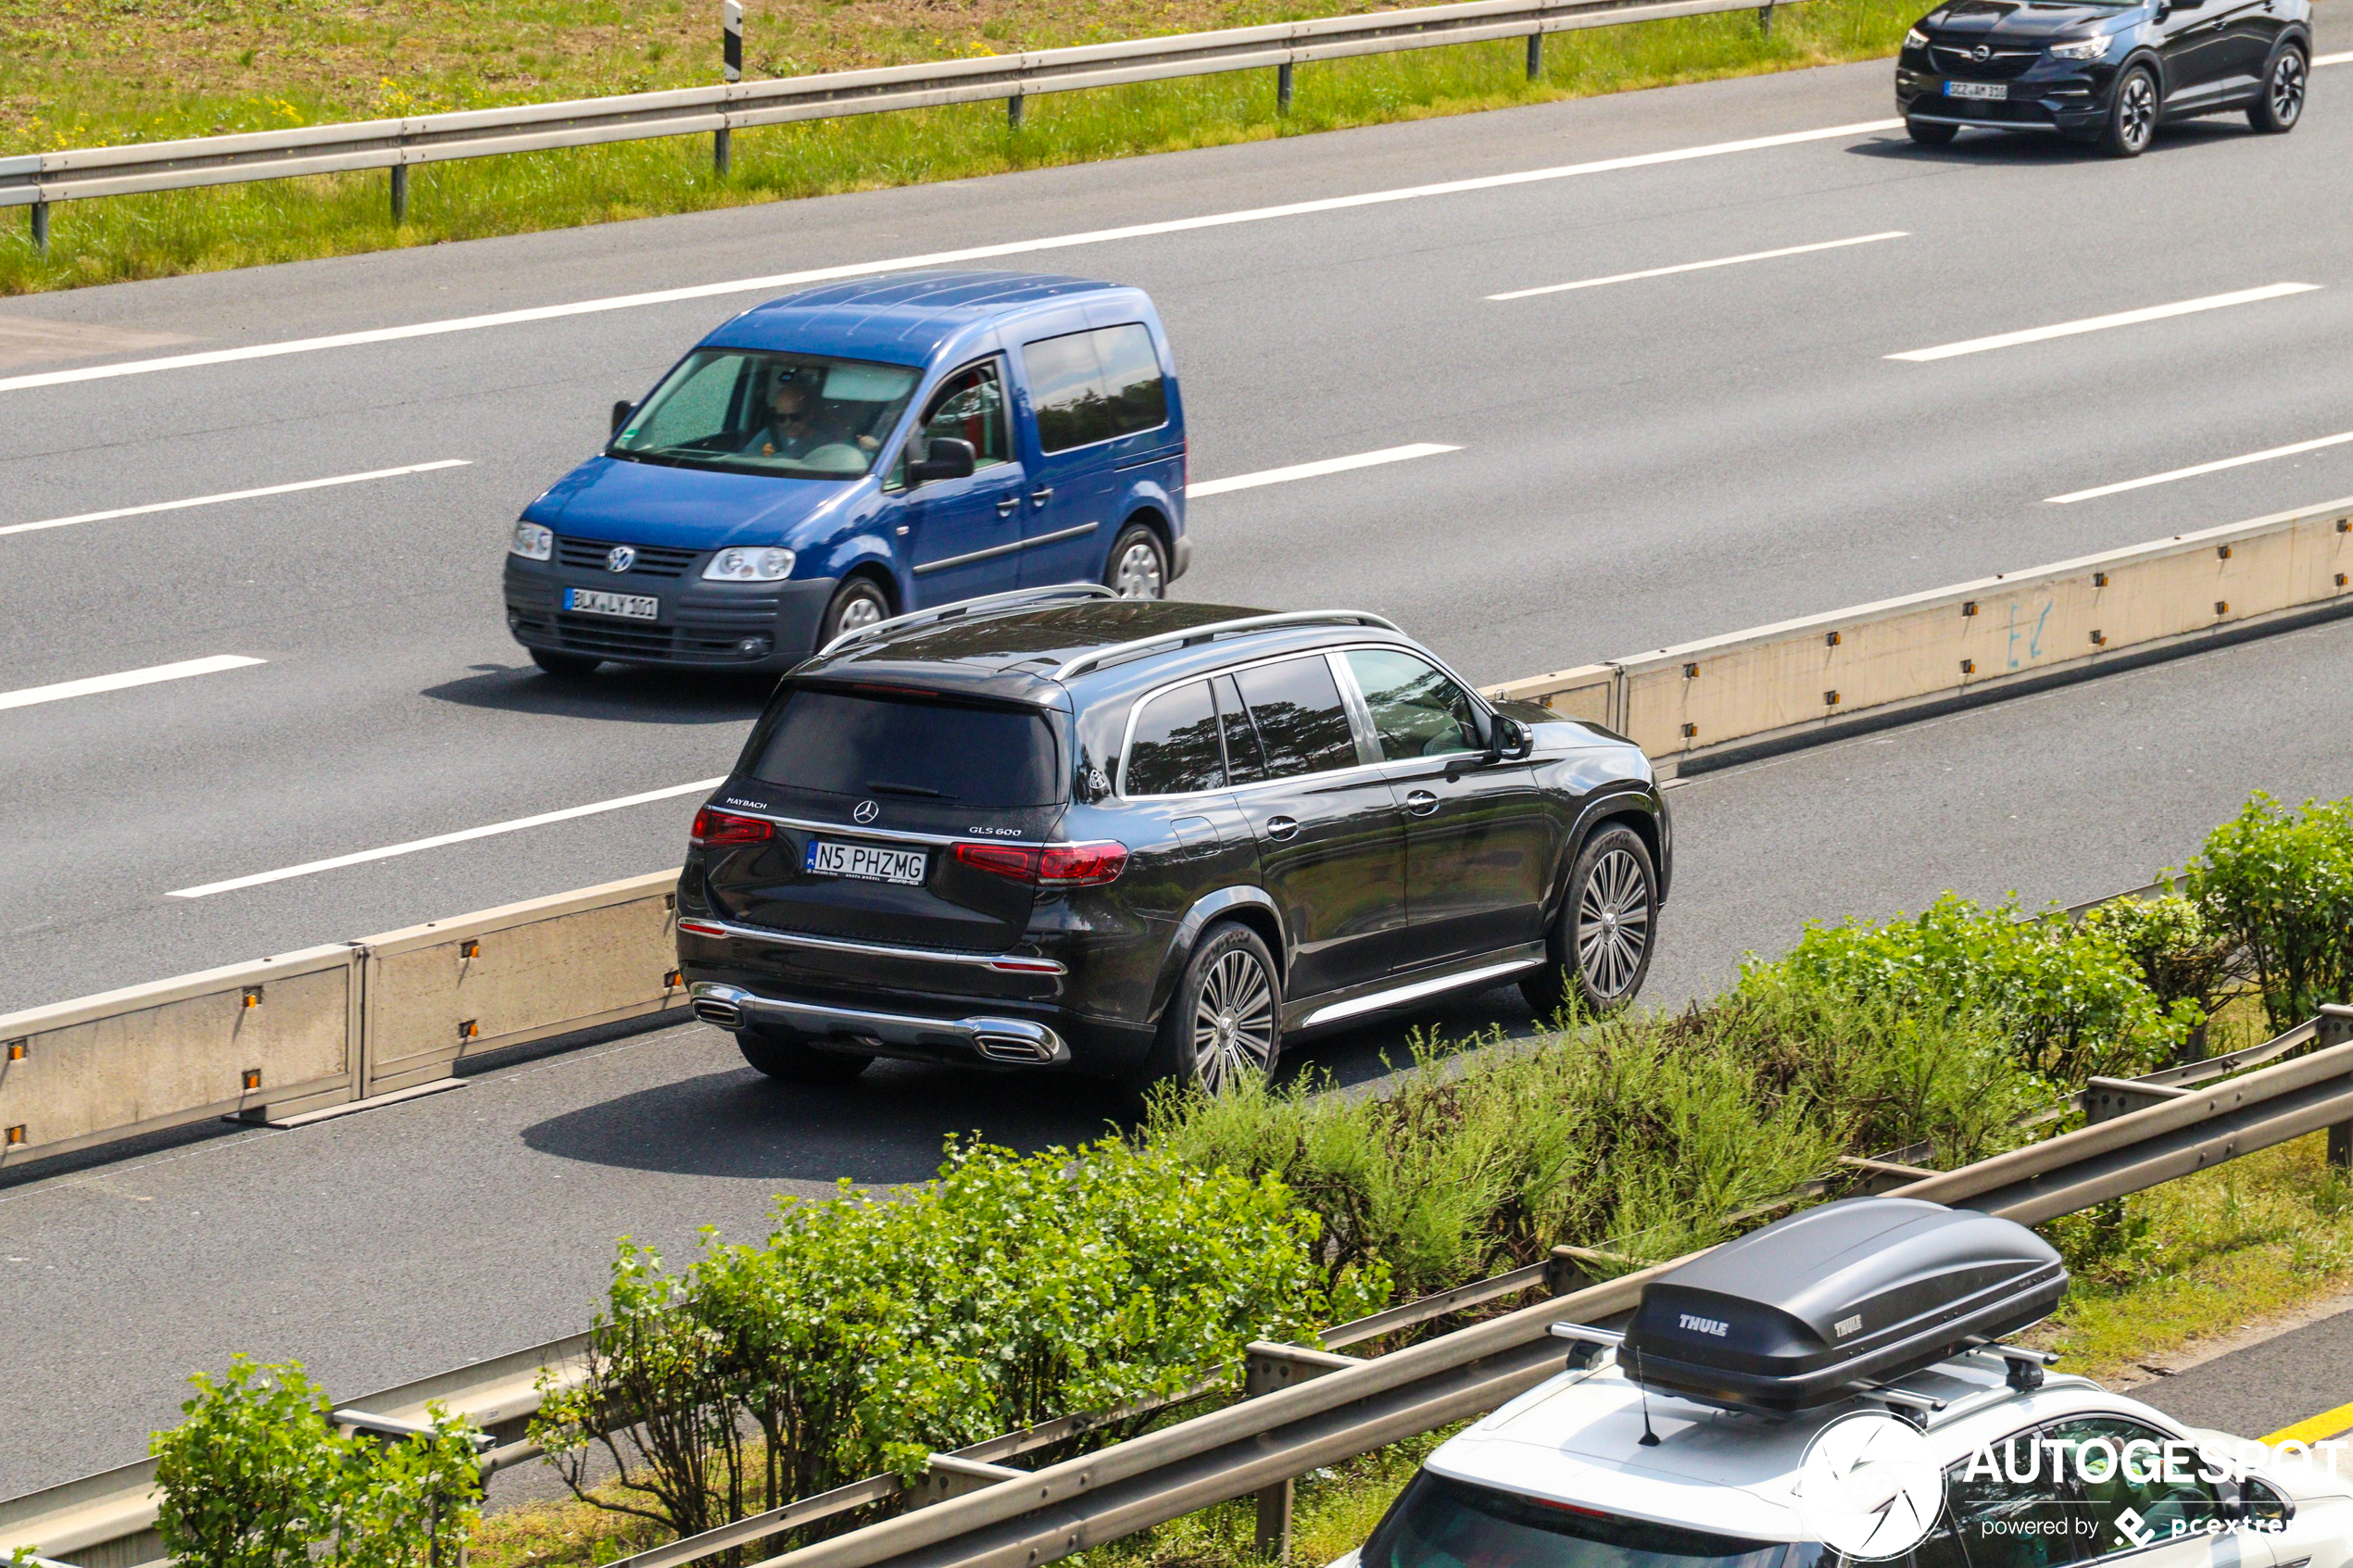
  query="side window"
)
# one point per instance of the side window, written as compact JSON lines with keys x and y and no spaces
{"x":698,"y":409}
{"x":1295,"y":706}
{"x":2123,"y":1469}
{"x":969,"y":406}
{"x":1175,"y":749}
{"x":1416,"y":710}
{"x":1065,"y":390}
{"x":1245,"y":762}
{"x":2034,"y":1523}
{"x":1133,"y":387}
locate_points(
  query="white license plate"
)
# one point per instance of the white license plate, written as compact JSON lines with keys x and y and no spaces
{"x":593,"y":601}
{"x":1992,"y":90}
{"x":865,"y":862}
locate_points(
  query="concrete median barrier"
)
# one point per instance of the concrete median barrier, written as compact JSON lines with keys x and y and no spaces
{"x":266,"y":1039}
{"x":439,"y":992}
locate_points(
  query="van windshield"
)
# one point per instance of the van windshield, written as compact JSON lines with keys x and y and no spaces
{"x":803,"y":415}
{"x":903,"y":746}
{"x":1438,"y":1522}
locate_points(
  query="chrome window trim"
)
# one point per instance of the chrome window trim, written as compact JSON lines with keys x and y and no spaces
{"x":901,"y":835}
{"x":1030,"y":964}
{"x":1350,"y":697}
{"x":1135,"y":714}
{"x":994,"y":550}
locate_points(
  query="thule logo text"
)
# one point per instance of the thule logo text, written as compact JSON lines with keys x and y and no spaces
{"x":1702,"y":1326}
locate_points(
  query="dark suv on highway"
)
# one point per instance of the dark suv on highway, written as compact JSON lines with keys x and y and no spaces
{"x":2102,"y":73}
{"x":1151,"y":841}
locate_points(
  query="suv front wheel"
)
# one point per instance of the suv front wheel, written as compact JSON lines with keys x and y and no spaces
{"x":1224,"y":1023}
{"x":784,"y":1058}
{"x":1601,"y":942}
{"x":2132,"y":115}
{"x":2281,"y":103}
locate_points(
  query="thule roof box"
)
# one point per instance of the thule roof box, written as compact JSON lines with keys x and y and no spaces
{"x":1826,"y":1303}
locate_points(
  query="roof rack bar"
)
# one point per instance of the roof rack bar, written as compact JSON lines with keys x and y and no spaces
{"x":1591,"y":1343}
{"x":1216,"y":629}
{"x":986,"y":603}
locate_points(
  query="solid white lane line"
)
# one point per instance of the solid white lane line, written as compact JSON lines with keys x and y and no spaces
{"x":232,"y":495}
{"x":1702,"y":266}
{"x":2195,"y":469}
{"x":2337,"y":59}
{"x":939,"y":259}
{"x":2099,"y":323}
{"x":1313,"y":470}
{"x":147,"y":677}
{"x":310,"y":868}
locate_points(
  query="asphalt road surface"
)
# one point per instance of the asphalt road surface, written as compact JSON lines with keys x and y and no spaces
{"x":1637,"y":462}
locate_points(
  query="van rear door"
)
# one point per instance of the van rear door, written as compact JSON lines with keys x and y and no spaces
{"x":888,"y":800}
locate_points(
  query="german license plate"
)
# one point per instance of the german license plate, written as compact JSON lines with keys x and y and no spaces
{"x":867,"y":862}
{"x":1990,"y":90}
{"x":595,"y":601}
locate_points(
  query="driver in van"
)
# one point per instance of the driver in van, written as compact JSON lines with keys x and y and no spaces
{"x":796,"y":426}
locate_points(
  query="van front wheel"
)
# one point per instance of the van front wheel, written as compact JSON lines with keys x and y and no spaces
{"x":1139,"y":566}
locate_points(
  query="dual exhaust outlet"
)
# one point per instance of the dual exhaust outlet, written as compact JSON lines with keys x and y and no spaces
{"x":1012,"y":1042}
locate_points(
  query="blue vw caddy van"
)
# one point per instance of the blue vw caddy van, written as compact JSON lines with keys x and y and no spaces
{"x":856,"y":451}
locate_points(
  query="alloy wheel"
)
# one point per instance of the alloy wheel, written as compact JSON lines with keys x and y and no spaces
{"x":1138,"y":575}
{"x":2136,"y":112}
{"x":2287,"y":88}
{"x":1233,"y":1021}
{"x":1613,"y":924}
{"x":859,"y":613}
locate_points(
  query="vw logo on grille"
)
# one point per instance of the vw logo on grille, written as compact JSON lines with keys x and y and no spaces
{"x":1981,"y":52}
{"x":621,"y":557}
{"x":867,"y":811}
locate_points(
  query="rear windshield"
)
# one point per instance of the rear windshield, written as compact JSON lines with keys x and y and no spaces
{"x":870,"y":744}
{"x":1441,"y":1524}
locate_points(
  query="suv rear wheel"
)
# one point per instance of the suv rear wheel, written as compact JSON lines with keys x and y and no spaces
{"x":2281,"y":103}
{"x":791,"y":1061}
{"x":1138,"y":567}
{"x":1600,"y":943}
{"x":1225,"y":1020}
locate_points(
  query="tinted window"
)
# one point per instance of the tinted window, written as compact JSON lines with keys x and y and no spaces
{"x":1176,"y":747}
{"x":1244,"y":762}
{"x":1441,"y":1524}
{"x":1416,"y":710}
{"x":1091,"y":386}
{"x":1295,"y":707}
{"x":969,"y":406}
{"x":846,"y":743}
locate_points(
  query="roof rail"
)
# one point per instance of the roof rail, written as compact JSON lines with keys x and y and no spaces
{"x":1216,"y":629}
{"x":967,"y":607}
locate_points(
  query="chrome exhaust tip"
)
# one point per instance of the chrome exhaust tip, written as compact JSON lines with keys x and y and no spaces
{"x":1014,"y":1049}
{"x":711,"y":1010}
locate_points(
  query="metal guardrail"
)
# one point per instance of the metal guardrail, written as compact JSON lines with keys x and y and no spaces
{"x":39,"y":179}
{"x":1309,"y":1407}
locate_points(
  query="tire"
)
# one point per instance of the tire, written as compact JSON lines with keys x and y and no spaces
{"x":1138,"y":568}
{"x":789,"y":1060}
{"x":570,"y":666}
{"x":1224,"y":1018}
{"x":1600,"y":943}
{"x":2281,"y":103}
{"x":859,"y":602}
{"x":1930,"y":135}
{"x":2131,"y":115}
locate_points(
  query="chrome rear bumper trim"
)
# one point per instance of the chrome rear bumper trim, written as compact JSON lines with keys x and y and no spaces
{"x":1004,"y":963}
{"x":1004,"y":1040}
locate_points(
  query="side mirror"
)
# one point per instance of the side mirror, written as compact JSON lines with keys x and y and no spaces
{"x":947,"y":459}
{"x":621,"y":412}
{"x":1513,"y":739}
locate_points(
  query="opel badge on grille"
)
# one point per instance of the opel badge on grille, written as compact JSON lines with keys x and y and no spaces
{"x":621,"y":557}
{"x":1980,"y":54}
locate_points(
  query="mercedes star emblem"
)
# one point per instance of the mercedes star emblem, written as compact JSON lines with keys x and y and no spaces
{"x":621,"y":557}
{"x":867,"y":811}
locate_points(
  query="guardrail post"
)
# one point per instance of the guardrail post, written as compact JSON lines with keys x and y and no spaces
{"x":1282,"y":88}
{"x":1267,"y":1366}
{"x":2337,"y":1029}
{"x":1012,"y":112}
{"x":1765,"y":19}
{"x":399,"y":194}
{"x":41,"y":227}
{"x":731,"y":50}
{"x":1535,"y":55}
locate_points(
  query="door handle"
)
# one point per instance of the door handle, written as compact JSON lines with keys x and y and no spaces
{"x":1040,"y":497}
{"x":1005,"y":507}
{"x":1420,"y":802}
{"x":1282,"y":829}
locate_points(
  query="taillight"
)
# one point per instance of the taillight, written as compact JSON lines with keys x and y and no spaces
{"x":701,"y":928}
{"x":1050,"y":865}
{"x":726,"y":827}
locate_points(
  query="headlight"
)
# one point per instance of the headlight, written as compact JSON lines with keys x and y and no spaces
{"x":1916,"y":38}
{"x":531,"y":541}
{"x":770,"y":565}
{"x":2080,"y":49}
